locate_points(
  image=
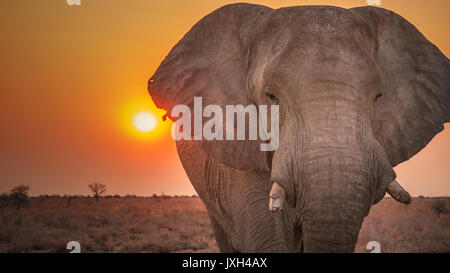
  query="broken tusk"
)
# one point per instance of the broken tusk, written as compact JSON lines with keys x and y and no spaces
{"x":276,"y":197}
{"x":398,"y":192}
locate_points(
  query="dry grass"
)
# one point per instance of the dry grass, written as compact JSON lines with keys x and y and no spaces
{"x":406,"y":228}
{"x":111,"y":225}
{"x":182,"y":225}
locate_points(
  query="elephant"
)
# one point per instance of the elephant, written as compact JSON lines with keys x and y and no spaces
{"x":359,"y":91}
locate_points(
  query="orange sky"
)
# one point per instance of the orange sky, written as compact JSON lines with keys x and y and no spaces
{"x":72,"y":77}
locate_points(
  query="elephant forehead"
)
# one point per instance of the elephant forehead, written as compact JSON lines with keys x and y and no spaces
{"x":311,"y":19}
{"x":308,"y":33}
{"x":313,"y":28}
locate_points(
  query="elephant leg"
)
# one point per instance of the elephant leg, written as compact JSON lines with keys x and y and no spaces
{"x":221,"y":237}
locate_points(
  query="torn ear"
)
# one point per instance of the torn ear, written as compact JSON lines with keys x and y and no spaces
{"x":210,"y":62}
{"x":415,"y":91}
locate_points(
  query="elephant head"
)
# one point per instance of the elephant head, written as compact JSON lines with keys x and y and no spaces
{"x":359,"y":91}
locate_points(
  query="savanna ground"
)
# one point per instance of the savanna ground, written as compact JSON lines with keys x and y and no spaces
{"x":182,"y":225}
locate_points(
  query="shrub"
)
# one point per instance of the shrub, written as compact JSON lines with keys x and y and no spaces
{"x":19,"y":196}
{"x":438,"y":207}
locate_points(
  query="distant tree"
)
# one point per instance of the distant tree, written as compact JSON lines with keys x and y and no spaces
{"x":97,"y":189}
{"x":18,"y":196}
{"x":439,"y":207}
{"x":4,"y":199}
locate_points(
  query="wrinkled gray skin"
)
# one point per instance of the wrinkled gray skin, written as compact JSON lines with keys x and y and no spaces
{"x":360,"y":90}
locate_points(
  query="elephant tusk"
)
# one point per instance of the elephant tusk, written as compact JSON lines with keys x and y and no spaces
{"x":398,"y":192}
{"x":277,"y":197}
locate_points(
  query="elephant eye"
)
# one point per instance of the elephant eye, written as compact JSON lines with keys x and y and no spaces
{"x":268,"y":92}
{"x":271,"y":96}
{"x":378,"y":96}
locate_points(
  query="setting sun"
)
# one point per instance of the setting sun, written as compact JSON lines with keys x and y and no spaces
{"x":140,"y":119}
{"x":144,"y":122}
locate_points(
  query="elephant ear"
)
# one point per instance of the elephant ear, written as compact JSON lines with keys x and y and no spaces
{"x":210,"y":61}
{"x":415,"y":85}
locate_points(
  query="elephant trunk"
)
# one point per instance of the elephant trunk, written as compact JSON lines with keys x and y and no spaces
{"x":331,"y":178}
{"x":334,"y":199}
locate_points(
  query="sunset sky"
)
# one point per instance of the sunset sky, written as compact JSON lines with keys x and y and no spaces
{"x":74,"y":77}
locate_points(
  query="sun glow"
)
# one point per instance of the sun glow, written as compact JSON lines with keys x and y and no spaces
{"x":144,"y":122}
{"x":141,"y":119}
